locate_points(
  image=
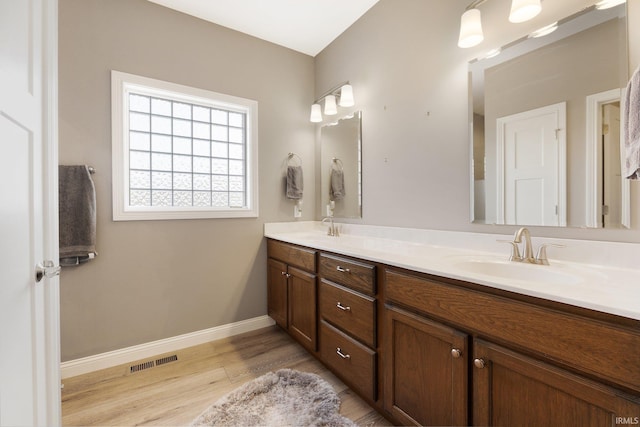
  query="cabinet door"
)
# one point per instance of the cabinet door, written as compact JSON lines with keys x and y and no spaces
{"x":425,"y":368}
{"x":277,"y":292}
{"x":302,"y":307}
{"x":511,"y":389}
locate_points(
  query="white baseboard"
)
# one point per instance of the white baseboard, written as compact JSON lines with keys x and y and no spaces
{"x":154,"y":348}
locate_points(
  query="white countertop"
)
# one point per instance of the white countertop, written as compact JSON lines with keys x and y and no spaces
{"x":602,"y":276}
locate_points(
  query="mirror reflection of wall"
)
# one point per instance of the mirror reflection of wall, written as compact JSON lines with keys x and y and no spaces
{"x":340,"y":148}
{"x":589,"y":59}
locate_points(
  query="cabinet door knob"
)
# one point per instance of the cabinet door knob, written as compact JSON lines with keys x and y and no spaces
{"x":479,"y":363}
{"x":456,"y":353}
{"x":341,"y":354}
{"x":343,"y":307}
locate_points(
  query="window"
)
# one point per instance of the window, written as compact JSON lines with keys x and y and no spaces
{"x":181,"y":152}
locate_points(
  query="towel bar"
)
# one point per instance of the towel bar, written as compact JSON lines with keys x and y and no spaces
{"x":91,"y":170}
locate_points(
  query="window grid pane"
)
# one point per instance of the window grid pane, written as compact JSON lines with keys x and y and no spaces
{"x":185,"y":155}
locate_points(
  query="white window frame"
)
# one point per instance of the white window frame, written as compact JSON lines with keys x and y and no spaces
{"x":121,"y":85}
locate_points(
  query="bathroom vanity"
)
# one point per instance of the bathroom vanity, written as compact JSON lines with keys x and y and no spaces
{"x":427,"y":342}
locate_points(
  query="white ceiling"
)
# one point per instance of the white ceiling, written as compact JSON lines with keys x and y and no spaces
{"x":306,"y":26}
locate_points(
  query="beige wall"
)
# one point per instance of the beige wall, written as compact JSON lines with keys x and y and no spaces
{"x":410,"y":81}
{"x":157,"y":279}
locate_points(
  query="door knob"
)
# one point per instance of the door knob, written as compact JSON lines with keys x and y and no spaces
{"x":46,"y":269}
{"x":479,"y":363}
{"x":456,"y":353}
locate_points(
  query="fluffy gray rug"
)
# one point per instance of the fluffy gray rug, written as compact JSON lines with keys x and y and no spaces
{"x":282,"y":398}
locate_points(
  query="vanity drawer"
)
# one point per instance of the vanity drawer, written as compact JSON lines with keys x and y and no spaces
{"x":349,"y":273}
{"x":602,"y":349}
{"x":293,"y":255}
{"x":352,"y":361}
{"x":352,"y":312}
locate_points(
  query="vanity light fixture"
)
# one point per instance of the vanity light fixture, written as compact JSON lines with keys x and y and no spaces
{"x":471,"y":23}
{"x":316,"y":113}
{"x":346,"y":96}
{"x":343,"y":92}
{"x":470,"y":28}
{"x":330,"y":108}
{"x":607,"y":4}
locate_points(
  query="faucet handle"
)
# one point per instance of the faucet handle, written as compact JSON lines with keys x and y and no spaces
{"x":541,"y":257}
{"x":515,"y":250}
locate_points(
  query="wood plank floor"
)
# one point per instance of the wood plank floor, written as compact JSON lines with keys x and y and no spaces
{"x":174,"y":393}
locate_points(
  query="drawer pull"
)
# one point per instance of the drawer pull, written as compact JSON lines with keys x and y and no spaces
{"x":342,"y":307}
{"x":341,"y":354}
{"x":343,"y":270}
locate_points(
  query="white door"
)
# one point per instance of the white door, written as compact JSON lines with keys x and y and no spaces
{"x":531,"y":183}
{"x":29,"y":311}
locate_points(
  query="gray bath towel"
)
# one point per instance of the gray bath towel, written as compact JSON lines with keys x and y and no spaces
{"x":295,"y":183}
{"x":336,"y":189}
{"x":77,"y":210}
{"x":632,"y":127}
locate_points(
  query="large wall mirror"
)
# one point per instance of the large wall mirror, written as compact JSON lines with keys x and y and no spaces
{"x":341,"y":167}
{"x":546,"y":126}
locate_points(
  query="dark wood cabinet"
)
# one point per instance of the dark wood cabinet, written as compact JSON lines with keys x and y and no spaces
{"x":277,"y":292}
{"x":302,"y":307}
{"x":543,"y":379}
{"x":427,"y":350}
{"x":347,"y":309}
{"x":352,"y":361}
{"x":511,"y":389}
{"x":425,"y":371}
{"x":292,"y":291}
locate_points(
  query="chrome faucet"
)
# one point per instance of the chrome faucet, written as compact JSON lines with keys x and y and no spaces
{"x":333,"y":230}
{"x":527,"y":256}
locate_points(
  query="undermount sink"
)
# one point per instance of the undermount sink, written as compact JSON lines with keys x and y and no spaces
{"x":517,"y":271}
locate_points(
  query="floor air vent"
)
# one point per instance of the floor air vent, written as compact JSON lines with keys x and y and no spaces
{"x":166,"y":360}
{"x":151,"y":363}
{"x":141,"y":366}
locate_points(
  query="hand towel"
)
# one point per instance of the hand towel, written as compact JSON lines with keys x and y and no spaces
{"x":295,"y":184}
{"x":632,"y":127}
{"x":336,"y":189}
{"x":77,"y":215}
